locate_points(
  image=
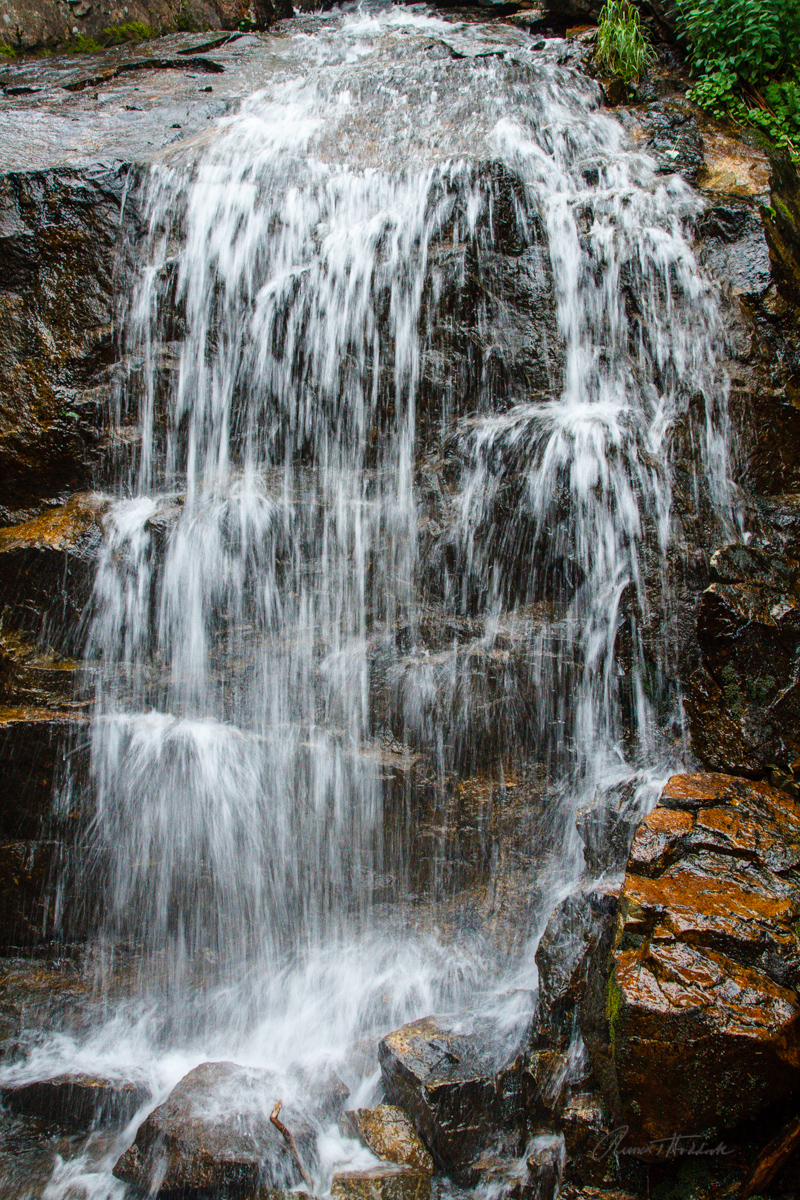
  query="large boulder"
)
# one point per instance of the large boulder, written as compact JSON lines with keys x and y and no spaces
{"x":460,"y":1085}
{"x":214,"y":1131}
{"x":702,"y":1012}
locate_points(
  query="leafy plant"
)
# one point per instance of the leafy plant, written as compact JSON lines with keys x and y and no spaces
{"x":622,"y":45}
{"x":131,"y":31}
{"x":746,"y":54}
{"x":752,"y":39}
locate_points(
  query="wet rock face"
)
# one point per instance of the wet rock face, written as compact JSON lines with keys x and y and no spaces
{"x":706,"y":963}
{"x":782,"y":226}
{"x":59,"y":231}
{"x":76,"y":1101}
{"x":743,"y":702}
{"x":569,"y":944}
{"x":459,"y":1092}
{"x":214,"y":1131}
{"x":47,"y":569}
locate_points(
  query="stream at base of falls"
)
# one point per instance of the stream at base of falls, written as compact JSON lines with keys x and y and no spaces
{"x":385,"y":603}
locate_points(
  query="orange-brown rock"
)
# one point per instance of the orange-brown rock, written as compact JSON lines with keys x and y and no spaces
{"x":702,"y":1007}
{"x":389,"y":1134}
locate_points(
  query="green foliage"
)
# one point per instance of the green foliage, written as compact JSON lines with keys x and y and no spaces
{"x":613,"y":1006}
{"x":746,"y":53}
{"x":113,"y":35}
{"x":731,"y":692}
{"x":751,"y":39}
{"x":83,"y":45}
{"x":622,"y":45}
{"x":132,"y":31}
{"x":7,"y":51}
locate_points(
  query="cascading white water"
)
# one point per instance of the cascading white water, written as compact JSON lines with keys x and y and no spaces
{"x":263,"y":601}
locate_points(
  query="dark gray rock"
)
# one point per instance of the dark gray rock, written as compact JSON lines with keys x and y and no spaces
{"x":76,"y":1101}
{"x":743,"y":702}
{"x":734,"y":247}
{"x":577,"y":926}
{"x":459,"y":1085}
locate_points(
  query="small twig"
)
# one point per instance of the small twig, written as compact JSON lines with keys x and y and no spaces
{"x":287,"y":1137}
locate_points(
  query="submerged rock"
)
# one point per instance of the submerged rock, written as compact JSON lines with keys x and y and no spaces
{"x":459,"y":1085}
{"x":386,"y":1182}
{"x":706,"y":964}
{"x":76,"y":1101}
{"x":214,"y":1131}
{"x":388,"y":1133}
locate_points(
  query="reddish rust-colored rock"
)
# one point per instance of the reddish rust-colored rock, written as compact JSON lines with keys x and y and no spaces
{"x":706,"y":963}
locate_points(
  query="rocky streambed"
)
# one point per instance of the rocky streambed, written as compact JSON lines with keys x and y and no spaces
{"x":661,"y":1049}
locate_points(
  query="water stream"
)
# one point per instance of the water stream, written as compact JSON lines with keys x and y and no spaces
{"x":385,"y":593}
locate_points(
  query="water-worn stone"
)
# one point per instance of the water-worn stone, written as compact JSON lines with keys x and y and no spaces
{"x":459,"y":1085}
{"x":388,"y":1182}
{"x":544,"y":1165}
{"x":32,"y":742}
{"x":743,"y":703}
{"x":706,"y":962}
{"x":76,"y":1101}
{"x":214,"y":1131}
{"x":387,"y":1131}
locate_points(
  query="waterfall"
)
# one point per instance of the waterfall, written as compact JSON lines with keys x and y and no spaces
{"x":411,"y":335}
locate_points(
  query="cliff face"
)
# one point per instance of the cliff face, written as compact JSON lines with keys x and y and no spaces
{"x":26,"y":25}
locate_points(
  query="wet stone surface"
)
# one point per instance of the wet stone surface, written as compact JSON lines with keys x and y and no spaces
{"x":706,"y":961}
{"x":214,"y":1131}
{"x":460,"y":1087}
